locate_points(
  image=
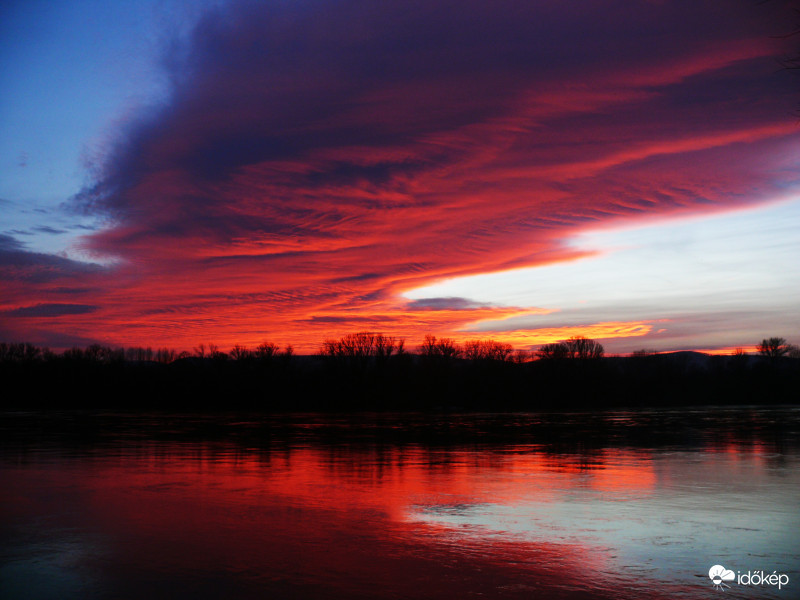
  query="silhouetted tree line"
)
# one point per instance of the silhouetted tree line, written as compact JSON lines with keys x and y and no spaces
{"x":372,"y":371}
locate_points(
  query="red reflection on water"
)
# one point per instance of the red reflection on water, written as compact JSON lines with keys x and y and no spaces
{"x":323,"y":522}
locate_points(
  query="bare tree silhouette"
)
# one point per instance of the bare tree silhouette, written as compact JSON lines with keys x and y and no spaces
{"x":266,"y":350}
{"x":773,"y":347}
{"x":209,"y":351}
{"x":22,"y":352}
{"x":240,"y":353}
{"x":583,"y":348}
{"x":139,"y":354}
{"x":363,"y":345}
{"x":577,"y":347}
{"x":385,"y":346}
{"x":488,"y":350}
{"x":166,"y":355}
{"x":445,"y":348}
{"x":555,"y":350}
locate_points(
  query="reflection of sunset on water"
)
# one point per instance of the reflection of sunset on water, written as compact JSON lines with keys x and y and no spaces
{"x":320,"y":520}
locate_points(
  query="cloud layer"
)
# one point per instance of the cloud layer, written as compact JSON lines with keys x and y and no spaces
{"x":316,"y":159}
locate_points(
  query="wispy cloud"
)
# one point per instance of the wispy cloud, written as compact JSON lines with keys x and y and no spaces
{"x":49,"y":230}
{"x":50,"y":310}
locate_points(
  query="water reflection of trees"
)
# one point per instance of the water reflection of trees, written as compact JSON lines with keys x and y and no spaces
{"x":442,"y":442}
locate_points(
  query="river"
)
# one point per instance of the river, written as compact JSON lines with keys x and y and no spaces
{"x":553,"y":505}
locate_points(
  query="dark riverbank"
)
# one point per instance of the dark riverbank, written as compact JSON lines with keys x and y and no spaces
{"x":396,"y":383}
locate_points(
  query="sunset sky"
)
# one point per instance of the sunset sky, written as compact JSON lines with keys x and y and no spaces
{"x":176,"y":172}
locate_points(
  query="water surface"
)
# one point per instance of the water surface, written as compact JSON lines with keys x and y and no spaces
{"x":617,"y":505}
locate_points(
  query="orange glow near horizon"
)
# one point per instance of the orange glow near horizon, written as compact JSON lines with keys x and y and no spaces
{"x":535,"y":337}
{"x":728,"y":350}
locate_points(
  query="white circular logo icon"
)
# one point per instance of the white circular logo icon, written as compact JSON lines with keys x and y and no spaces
{"x":719,"y":575}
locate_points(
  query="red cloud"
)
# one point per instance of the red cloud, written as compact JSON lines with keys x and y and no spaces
{"x":317,"y":161}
